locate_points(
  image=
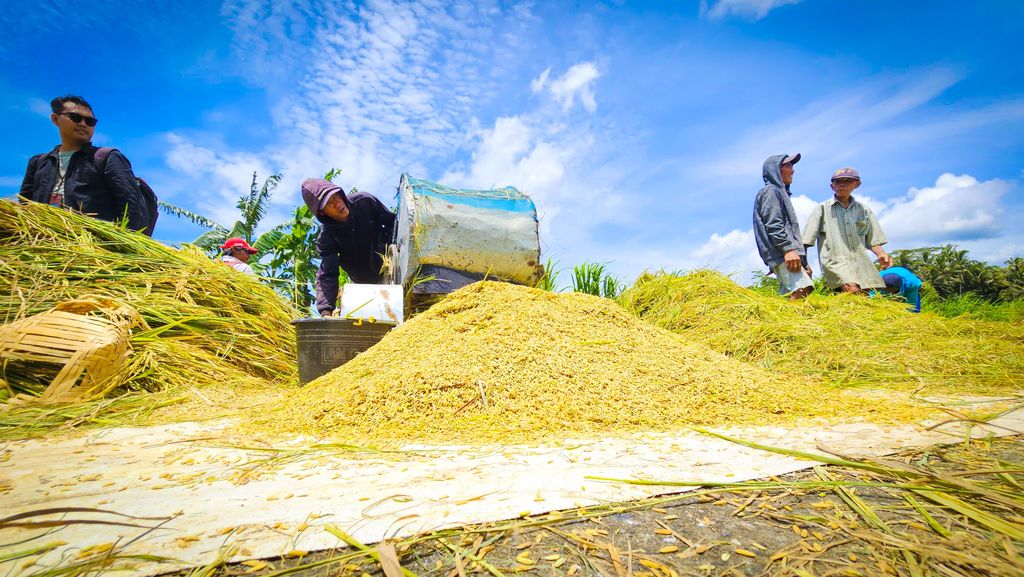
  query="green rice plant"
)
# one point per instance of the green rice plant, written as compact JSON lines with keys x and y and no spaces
{"x":969,"y":305}
{"x":549,"y":280}
{"x":586,"y":278}
{"x":593,"y":279}
{"x":610,"y":287}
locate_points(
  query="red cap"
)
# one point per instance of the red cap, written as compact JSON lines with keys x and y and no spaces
{"x":238,"y":243}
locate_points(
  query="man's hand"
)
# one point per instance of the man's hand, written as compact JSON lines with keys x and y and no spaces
{"x":883,"y":258}
{"x":851,"y":287}
{"x":810,"y":273}
{"x":792,"y":260}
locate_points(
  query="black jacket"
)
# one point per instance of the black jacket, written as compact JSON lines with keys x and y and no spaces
{"x":355,"y":245}
{"x":108,"y":196}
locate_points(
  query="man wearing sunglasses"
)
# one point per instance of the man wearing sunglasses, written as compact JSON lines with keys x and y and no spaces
{"x":68,"y":175}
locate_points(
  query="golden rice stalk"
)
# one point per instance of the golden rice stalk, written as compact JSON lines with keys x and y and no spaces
{"x":202,"y":323}
{"x":847,"y":340}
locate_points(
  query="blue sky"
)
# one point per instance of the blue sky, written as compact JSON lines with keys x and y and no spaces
{"x":639,"y":128}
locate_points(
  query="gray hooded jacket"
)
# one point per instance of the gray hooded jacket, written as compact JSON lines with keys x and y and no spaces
{"x":776,"y":228}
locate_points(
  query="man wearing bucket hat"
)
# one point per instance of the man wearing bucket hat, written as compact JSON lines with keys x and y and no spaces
{"x":899,"y":280}
{"x":844,"y":230}
{"x":235,"y":253}
{"x":356,"y":231}
{"x":777,"y":231}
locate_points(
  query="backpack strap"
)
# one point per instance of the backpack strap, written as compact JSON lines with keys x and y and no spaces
{"x":100,"y":158}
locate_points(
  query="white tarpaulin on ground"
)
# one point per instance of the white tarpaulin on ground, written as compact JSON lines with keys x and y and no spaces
{"x":204,"y":490}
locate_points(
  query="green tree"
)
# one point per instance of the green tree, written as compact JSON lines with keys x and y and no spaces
{"x":1014,"y":275}
{"x":950,"y":272}
{"x":287,"y":257}
{"x":294,"y":260}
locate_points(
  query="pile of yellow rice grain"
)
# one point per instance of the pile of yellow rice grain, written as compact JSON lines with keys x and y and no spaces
{"x":499,"y":362}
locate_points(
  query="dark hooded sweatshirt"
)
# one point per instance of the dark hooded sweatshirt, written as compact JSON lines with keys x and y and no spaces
{"x":776,"y":228}
{"x":355,"y":245}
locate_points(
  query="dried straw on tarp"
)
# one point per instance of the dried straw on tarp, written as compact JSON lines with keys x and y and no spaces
{"x":499,"y":362}
{"x":841,"y":339}
{"x":204,"y":323}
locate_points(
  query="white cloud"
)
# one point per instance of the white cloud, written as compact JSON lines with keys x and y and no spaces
{"x":538,"y":84}
{"x":40,"y":107}
{"x":545,"y":162}
{"x":377,"y":89}
{"x":550,"y":157}
{"x":575,"y":84}
{"x":838,"y":127}
{"x":224,"y":177}
{"x":803,"y":206}
{"x":956,"y":208}
{"x":754,"y":9}
{"x":730,"y":253}
{"x":512,"y":152}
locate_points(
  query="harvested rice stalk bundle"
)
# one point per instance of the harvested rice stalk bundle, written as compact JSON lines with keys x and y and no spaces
{"x":203,"y":323}
{"x":842,"y":339}
{"x":499,"y":362}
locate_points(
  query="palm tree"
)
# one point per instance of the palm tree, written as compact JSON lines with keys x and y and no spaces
{"x":253,"y":207}
{"x":1014,"y":280}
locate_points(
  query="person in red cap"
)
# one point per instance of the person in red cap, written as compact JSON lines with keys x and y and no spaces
{"x":844,"y":230}
{"x":236,"y":253}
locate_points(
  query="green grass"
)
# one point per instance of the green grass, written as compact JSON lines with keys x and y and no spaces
{"x":969,"y":305}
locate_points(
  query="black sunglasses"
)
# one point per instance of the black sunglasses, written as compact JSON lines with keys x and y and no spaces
{"x":78,"y":118}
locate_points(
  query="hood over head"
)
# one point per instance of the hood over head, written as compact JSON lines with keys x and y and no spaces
{"x":771,"y":172}
{"x":317,"y":191}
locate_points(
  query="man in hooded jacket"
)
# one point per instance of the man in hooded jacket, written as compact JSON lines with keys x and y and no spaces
{"x":777,"y":230}
{"x":356,"y":231}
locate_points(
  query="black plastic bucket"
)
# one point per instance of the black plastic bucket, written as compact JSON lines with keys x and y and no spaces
{"x":326,"y":344}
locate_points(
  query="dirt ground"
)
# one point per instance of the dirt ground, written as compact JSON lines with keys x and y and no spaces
{"x":952,"y":510}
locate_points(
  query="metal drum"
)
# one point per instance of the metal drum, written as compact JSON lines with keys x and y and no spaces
{"x":324,"y":344}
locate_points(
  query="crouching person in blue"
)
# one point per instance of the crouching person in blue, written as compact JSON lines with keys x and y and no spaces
{"x":356,"y":231}
{"x":901,"y":281}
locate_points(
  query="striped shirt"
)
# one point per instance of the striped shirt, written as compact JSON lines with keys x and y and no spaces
{"x":844,"y":235}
